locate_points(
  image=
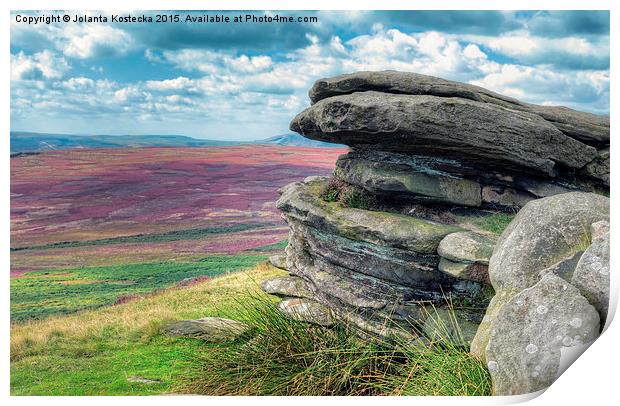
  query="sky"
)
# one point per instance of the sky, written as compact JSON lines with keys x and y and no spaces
{"x":246,"y":81}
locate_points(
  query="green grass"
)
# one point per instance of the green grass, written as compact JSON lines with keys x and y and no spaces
{"x":290,"y":358}
{"x":38,"y":295}
{"x":178,"y":235}
{"x":495,"y":223}
{"x":102,"y":367}
{"x":278,"y":246}
{"x":95,"y":352}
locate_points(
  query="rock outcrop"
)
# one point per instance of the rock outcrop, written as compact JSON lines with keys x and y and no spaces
{"x":395,"y":235}
{"x":434,"y":140}
{"x":549,"y":294}
{"x":583,"y":126}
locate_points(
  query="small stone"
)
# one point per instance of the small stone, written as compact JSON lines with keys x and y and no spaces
{"x":278,"y":261}
{"x":210,"y":329}
{"x":307,"y":310}
{"x":467,"y":271}
{"x":289,"y":286}
{"x":467,"y":247}
{"x":139,"y":379}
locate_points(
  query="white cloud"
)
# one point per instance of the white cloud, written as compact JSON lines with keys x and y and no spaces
{"x":90,"y":40}
{"x":472,"y":51}
{"x":41,"y":65}
{"x":249,"y":64}
{"x":179,"y":83}
{"x":79,"y":83}
{"x":582,"y":90}
{"x":223,"y":93}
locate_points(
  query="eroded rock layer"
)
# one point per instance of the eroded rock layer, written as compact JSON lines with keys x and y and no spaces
{"x":386,"y":243}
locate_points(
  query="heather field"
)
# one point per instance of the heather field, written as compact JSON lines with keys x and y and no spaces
{"x":95,"y":227}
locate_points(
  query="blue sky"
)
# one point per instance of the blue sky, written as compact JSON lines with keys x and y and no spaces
{"x":246,"y":81}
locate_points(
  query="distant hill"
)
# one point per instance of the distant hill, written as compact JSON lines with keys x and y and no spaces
{"x":296,"y":140}
{"x":30,"y":142}
{"x":37,"y":142}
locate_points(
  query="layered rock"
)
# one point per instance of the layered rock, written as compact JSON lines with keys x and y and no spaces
{"x":386,"y":243}
{"x":587,"y":127}
{"x":372,"y":268}
{"x":435,"y":140}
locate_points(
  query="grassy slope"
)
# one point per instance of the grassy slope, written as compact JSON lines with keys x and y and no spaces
{"x":41,"y":294}
{"x":94,"y":352}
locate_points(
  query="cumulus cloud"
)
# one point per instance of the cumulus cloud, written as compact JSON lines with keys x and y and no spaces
{"x":41,"y":65}
{"x":193,"y":79}
{"x":81,"y":41}
{"x":567,"y":52}
{"x":87,"y":41}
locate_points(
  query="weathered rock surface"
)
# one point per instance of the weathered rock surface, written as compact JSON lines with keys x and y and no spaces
{"x":211,"y":329}
{"x":580,"y":125}
{"x":598,"y":169}
{"x":301,"y":201}
{"x":307,"y":310}
{"x":591,"y":276}
{"x":278,"y":261}
{"x":544,"y":233}
{"x":290,"y":286}
{"x":442,"y":180}
{"x":599,"y":229}
{"x":477,"y":132}
{"x":524,"y":350}
{"x":389,"y":237}
{"x":407,"y":179}
{"x":467,"y":246}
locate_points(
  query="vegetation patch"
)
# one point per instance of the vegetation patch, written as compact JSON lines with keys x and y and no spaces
{"x":42,"y":294}
{"x":337,"y":190}
{"x":177,"y":235}
{"x":493,"y":222}
{"x":290,"y":358}
{"x":99,"y":352}
{"x":122,"y":350}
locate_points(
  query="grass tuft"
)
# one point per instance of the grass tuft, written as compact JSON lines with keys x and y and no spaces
{"x":337,"y":190}
{"x":494,"y":222}
{"x":291,"y":358}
